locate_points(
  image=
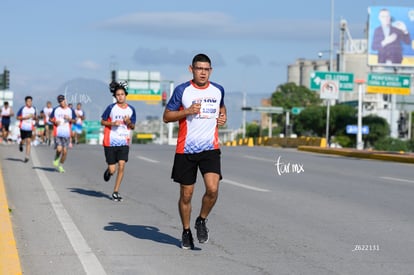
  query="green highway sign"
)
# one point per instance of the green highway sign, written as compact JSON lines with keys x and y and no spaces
{"x":92,"y":129}
{"x":346,"y":80}
{"x":389,"y":84}
{"x":297,"y":110}
{"x":92,"y":124}
{"x":143,"y":92}
{"x":92,"y":136}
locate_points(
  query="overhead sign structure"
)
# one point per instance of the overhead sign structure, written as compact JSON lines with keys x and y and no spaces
{"x":346,"y":80}
{"x":329,"y":89}
{"x":142,"y":85}
{"x":353,"y":129}
{"x":389,"y":84}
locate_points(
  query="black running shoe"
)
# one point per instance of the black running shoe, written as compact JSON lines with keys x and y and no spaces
{"x":20,"y":147}
{"x":26,"y":159}
{"x":202,"y":231}
{"x":107,"y":175}
{"x":116,"y":196}
{"x":187,"y":241}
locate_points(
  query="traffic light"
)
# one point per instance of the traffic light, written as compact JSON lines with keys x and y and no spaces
{"x":403,"y":125}
{"x":6,"y":79}
{"x":113,"y":76}
{"x":164,"y":98}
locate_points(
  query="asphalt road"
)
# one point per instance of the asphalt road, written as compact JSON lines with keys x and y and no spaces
{"x":280,"y":211}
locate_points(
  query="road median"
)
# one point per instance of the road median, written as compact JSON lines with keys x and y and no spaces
{"x":368,"y":154}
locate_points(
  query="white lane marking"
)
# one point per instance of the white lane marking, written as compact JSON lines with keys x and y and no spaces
{"x":88,"y":259}
{"x":148,"y":159}
{"x":397,"y":179}
{"x":238,"y":184}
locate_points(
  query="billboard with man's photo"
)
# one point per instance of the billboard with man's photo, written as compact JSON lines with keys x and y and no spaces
{"x":391,"y":36}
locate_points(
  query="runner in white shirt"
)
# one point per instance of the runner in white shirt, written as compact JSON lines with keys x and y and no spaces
{"x":6,"y":114}
{"x":48,"y":124}
{"x":27,"y":117}
{"x":198,"y":106}
{"x":62,"y":117}
{"x":119,"y":120}
{"x":77,"y":126}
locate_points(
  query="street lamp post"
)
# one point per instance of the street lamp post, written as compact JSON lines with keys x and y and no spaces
{"x":332,"y":37}
{"x":360,"y":144}
{"x":328,"y":101}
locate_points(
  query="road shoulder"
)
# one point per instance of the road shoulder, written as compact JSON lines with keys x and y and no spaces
{"x":9,"y":257}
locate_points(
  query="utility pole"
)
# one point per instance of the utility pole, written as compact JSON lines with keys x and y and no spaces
{"x":360,"y":144}
{"x":328,"y":101}
{"x":244,"y":115}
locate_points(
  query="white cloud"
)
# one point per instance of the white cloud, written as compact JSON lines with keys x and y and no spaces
{"x":214,"y":25}
{"x":90,"y":65}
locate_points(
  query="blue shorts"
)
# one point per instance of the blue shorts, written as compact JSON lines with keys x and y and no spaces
{"x":77,"y":128}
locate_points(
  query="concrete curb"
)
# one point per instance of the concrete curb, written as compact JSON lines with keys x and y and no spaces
{"x":9,"y":258}
{"x":378,"y":155}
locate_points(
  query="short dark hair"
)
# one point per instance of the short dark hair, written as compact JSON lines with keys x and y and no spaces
{"x":201,"y":58}
{"x":28,"y":97}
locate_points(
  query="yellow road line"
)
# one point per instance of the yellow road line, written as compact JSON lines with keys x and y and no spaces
{"x":9,"y":258}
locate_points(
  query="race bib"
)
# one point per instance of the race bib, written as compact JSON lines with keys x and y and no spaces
{"x":208,"y":110}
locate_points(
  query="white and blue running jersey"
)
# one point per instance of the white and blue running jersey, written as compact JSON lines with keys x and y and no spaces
{"x":199,"y":132}
{"x":26,"y":124}
{"x":118,"y":135}
{"x":62,"y":126}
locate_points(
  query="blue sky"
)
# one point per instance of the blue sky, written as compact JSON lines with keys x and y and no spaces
{"x":46,"y":43}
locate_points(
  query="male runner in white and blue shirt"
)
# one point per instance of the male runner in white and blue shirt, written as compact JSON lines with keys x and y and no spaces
{"x":198,"y":106}
{"x":27,"y":118}
{"x":62,"y":117}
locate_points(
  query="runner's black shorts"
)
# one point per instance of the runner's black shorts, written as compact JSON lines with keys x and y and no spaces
{"x":25,"y":134}
{"x":5,"y":126}
{"x":113,"y":154}
{"x":185,"y":166}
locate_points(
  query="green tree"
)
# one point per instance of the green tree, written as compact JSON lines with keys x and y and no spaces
{"x":252,"y":130}
{"x":311,"y":122}
{"x":340,"y":116}
{"x":290,"y":95}
{"x":378,"y":129}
